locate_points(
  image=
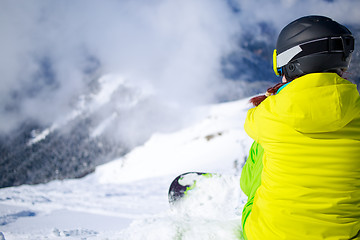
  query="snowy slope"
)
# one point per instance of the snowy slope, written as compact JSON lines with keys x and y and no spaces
{"x":127,"y":198}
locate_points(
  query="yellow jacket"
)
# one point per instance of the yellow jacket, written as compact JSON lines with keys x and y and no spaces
{"x":310,"y":183}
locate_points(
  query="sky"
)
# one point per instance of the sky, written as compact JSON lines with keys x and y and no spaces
{"x":52,"y":51}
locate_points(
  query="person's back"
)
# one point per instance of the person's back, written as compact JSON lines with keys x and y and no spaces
{"x":310,"y":133}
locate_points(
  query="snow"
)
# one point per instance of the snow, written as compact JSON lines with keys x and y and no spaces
{"x":127,"y":198}
{"x":89,"y":103}
{"x":103,"y":125}
{"x":39,"y":136}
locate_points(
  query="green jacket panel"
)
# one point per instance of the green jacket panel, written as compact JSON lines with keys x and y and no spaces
{"x":251,"y":178}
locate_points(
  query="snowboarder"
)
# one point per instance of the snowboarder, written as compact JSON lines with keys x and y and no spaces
{"x":302,"y":176}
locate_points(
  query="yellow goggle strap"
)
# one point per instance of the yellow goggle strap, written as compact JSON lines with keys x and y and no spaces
{"x":275,"y":63}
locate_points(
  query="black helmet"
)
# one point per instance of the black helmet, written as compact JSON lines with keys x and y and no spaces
{"x":312,"y":44}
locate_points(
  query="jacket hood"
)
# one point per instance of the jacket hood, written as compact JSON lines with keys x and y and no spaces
{"x":317,"y":102}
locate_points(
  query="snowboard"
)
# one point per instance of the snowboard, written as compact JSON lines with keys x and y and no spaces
{"x":184,"y":183}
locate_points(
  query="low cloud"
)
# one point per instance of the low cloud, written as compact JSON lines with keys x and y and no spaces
{"x":52,"y":51}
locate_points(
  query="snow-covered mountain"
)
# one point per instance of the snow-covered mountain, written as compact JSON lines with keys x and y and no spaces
{"x":127,"y":198}
{"x":112,"y":115}
{"x":83,"y":84}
